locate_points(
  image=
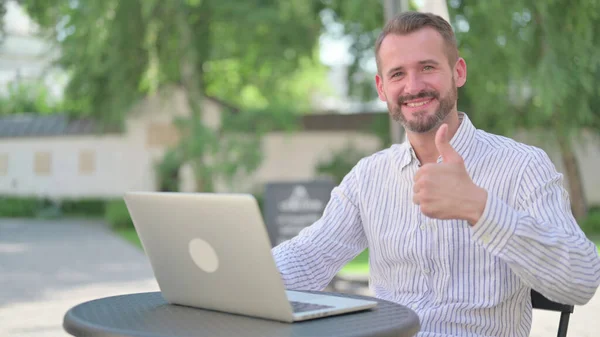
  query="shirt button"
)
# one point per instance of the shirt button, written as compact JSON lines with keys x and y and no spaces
{"x":486,"y":238}
{"x":423,"y":227}
{"x":426,"y":271}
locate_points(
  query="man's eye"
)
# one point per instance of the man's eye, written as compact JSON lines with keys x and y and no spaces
{"x":428,"y":68}
{"x":396,"y":75}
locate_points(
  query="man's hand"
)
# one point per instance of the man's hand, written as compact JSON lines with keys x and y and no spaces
{"x":445,"y":190}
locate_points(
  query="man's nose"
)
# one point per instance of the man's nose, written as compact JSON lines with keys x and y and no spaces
{"x":414,"y":85}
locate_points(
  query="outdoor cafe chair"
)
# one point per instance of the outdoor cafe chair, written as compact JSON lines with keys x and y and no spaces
{"x":538,"y":301}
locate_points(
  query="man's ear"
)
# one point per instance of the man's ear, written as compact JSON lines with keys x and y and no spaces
{"x":460,"y":72}
{"x":379,"y":84}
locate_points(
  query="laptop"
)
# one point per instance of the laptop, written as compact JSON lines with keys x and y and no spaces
{"x":212,"y":251}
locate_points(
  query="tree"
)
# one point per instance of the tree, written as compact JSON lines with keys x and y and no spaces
{"x":534,"y":65}
{"x":24,"y":97}
{"x":258,"y":55}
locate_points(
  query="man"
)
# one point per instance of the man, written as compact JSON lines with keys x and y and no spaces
{"x":460,"y":224}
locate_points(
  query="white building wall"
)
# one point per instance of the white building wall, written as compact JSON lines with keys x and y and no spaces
{"x":295,"y":156}
{"x":124,"y":163}
{"x":119,"y":166}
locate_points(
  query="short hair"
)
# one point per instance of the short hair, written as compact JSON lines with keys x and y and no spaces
{"x":408,"y":22}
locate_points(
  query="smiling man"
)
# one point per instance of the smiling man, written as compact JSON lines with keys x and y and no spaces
{"x":460,"y":224}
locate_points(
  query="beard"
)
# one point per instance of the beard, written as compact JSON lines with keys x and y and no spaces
{"x":425,"y":122}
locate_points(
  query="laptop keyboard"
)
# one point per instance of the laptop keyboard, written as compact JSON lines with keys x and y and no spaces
{"x":303,"y":307}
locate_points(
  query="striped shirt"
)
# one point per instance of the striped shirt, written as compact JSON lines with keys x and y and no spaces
{"x":461,"y":280}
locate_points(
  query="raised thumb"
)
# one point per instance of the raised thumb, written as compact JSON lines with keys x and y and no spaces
{"x":442,"y":143}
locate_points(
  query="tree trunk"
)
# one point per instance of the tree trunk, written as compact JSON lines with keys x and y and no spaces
{"x":576,"y":192}
{"x":192,"y":81}
{"x":391,"y":8}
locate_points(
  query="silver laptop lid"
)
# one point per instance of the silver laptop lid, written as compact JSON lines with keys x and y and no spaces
{"x":211,"y":251}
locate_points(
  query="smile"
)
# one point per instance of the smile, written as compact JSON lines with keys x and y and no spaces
{"x":418,"y":104}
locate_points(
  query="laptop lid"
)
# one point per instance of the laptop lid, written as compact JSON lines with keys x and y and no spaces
{"x":211,"y":251}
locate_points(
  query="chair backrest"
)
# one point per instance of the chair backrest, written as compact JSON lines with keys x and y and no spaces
{"x":538,"y":301}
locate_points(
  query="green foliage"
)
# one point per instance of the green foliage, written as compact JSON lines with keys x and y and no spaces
{"x":22,"y":207}
{"x":167,"y":170}
{"x":89,"y":207}
{"x":2,"y":14}
{"x":33,"y":207}
{"x":381,"y":128}
{"x":102,"y":50}
{"x":130,"y":235}
{"x":114,"y":211}
{"x":28,"y":97}
{"x":591,"y":224}
{"x":118,"y":51}
{"x":242,"y":153}
{"x":361,"y":21}
{"x":117,"y":215}
{"x":357,"y":266}
{"x":232,"y":151}
{"x":532,"y":63}
{"x":362,"y":27}
{"x":340,"y":163}
{"x":256,"y":55}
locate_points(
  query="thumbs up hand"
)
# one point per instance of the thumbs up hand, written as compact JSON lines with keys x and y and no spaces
{"x":445,"y":190}
{"x":442,"y":143}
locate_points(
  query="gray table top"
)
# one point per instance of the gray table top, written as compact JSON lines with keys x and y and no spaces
{"x":147,"y":314}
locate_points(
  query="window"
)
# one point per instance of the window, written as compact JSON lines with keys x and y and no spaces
{"x":3,"y":164}
{"x":87,"y":161}
{"x":162,"y":134}
{"x":42,"y":163}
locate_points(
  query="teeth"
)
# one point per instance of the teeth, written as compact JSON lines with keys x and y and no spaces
{"x":413,"y":105}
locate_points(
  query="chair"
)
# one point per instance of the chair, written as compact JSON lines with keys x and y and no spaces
{"x":538,"y":301}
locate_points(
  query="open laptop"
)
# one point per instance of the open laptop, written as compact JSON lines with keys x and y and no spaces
{"x":212,"y":251}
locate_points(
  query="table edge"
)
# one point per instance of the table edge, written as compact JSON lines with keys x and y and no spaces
{"x":75,"y":327}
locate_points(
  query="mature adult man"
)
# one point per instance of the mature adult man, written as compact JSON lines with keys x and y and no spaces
{"x":460,"y":224}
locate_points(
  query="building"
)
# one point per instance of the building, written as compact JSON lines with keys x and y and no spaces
{"x":50,"y":156}
{"x":25,"y":57}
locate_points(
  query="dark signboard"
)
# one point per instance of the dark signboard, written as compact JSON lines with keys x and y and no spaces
{"x":292,"y":206}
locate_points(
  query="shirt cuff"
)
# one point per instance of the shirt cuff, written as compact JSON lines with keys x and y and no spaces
{"x":496,"y":225}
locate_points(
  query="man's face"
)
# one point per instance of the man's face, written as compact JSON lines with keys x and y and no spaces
{"x":416,"y":80}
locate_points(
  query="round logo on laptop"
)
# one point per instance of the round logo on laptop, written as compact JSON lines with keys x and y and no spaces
{"x":204,"y":255}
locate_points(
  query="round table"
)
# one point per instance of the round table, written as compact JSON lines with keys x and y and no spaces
{"x":147,"y":314}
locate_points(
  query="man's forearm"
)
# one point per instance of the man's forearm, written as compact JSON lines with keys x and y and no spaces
{"x":298,"y":268}
{"x":563,"y":266}
{"x":310,"y":260}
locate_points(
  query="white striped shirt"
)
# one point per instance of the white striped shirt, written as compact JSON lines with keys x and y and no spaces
{"x":460,"y":280}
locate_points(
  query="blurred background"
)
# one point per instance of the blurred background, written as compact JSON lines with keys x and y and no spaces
{"x":102,"y":97}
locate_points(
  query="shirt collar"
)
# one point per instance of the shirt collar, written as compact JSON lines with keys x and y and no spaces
{"x":461,"y":142}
